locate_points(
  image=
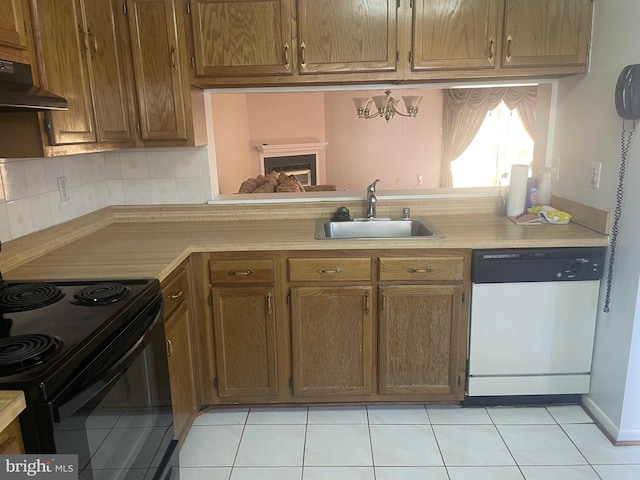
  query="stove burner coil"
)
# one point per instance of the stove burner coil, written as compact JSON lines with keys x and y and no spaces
{"x":22,"y":352}
{"x":100,"y":294}
{"x":28,"y":296}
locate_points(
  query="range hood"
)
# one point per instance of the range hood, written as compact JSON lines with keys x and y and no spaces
{"x":18,"y":93}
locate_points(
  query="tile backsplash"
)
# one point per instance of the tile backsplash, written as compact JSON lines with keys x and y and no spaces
{"x":30,"y":199}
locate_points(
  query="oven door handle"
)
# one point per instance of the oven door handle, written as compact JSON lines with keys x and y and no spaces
{"x":72,"y":405}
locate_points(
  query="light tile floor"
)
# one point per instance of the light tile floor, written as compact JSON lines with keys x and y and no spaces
{"x":414,"y":442}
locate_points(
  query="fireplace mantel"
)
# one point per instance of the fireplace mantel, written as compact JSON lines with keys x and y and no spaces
{"x":284,"y":150}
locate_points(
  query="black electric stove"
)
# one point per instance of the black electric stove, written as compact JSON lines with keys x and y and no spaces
{"x":86,"y":354}
{"x":48,"y":329}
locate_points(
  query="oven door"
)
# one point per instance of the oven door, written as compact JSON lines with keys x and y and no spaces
{"x":116,"y":413}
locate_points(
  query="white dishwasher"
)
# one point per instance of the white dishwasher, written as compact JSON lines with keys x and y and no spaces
{"x":533,"y":314}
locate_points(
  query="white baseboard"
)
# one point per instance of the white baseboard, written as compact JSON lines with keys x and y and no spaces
{"x":601,"y":418}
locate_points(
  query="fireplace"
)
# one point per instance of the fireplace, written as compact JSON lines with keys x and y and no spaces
{"x":302,"y":166}
{"x":300,"y":160}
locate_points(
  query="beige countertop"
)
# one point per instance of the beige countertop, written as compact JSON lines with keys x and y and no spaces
{"x":11,"y":404}
{"x":154,"y":248}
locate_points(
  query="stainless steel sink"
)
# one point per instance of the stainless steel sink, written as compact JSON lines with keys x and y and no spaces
{"x":376,"y":228}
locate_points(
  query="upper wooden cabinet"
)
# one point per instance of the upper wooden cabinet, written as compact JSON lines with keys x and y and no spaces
{"x":109,"y":71}
{"x":499,"y":38}
{"x":335,"y":36}
{"x":157,"y":64}
{"x":63,"y":51}
{"x":81,"y":59}
{"x":236,"y":38}
{"x":14,"y":31}
{"x":292,"y":41}
{"x":546,"y":32}
{"x":388,"y":40}
{"x":455,"y":35}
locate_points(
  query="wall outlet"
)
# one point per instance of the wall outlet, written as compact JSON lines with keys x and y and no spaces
{"x":594,"y":177}
{"x":63,"y":189}
{"x":397,"y":181}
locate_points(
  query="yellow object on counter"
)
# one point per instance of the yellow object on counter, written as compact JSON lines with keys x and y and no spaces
{"x":550,"y":214}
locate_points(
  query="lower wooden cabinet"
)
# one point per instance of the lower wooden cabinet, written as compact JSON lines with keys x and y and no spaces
{"x":182,"y":372}
{"x":181,"y":351}
{"x":244,"y":330}
{"x":419,"y":339}
{"x":332,"y":340}
{"x":333,"y":326}
{"x":242,"y":327}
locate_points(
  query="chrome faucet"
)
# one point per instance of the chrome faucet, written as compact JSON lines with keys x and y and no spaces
{"x":372,"y":199}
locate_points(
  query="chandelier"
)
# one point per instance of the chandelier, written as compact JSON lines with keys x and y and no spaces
{"x":387,"y":106}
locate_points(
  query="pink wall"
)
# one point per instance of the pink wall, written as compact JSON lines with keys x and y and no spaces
{"x":359,"y":150}
{"x":231,"y":138}
{"x":287,"y":118}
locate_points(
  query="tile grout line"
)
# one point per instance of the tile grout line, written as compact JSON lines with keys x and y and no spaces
{"x":235,"y":458}
{"x":373,"y":461}
{"x":435,"y":437}
{"x":495,"y":425}
{"x":578,"y":448}
{"x":304,"y":443}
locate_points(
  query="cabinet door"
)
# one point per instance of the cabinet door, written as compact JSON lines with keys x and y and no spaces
{"x":418,"y":338}
{"x":182,"y":373}
{"x":354,"y":36}
{"x":450,"y":34}
{"x":244,"y":331}
{"x":157,"y":66}
{"x":242,"y":38}
{"x":109,"y":71}
{"x":63,"y":46}
{"x":546,"y":32}
{"x":332,"y":334}
{"x":12,"y":27}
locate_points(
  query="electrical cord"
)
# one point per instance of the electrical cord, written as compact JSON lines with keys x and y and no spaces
{"x":625,"y":145}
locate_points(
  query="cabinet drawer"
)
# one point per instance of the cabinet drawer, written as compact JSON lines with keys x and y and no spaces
{"x":174,"y":292}
{"x":241,"y":271}
{"x":329,"y":269}
{"x":421,"y":268}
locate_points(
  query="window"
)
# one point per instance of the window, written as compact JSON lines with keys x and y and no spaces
{"x":501,"y":142}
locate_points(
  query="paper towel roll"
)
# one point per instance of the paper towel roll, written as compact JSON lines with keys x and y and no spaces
{"x":517,"y":189}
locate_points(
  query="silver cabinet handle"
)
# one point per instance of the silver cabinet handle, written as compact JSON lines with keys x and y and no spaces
{"x":176,"y":295}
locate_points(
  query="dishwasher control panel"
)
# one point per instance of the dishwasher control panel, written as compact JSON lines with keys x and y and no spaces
{"x":537,"y":264}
